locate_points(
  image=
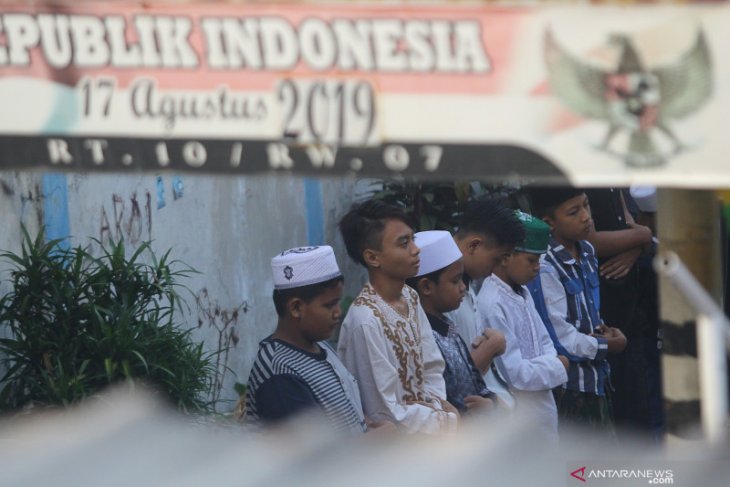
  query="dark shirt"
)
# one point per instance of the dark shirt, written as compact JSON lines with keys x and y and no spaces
{"x":285,"y":380}
{"x":619,"y":297}
{"x":606,"y":209}
{"x":282,"y":396}
{"x":460,"y":374}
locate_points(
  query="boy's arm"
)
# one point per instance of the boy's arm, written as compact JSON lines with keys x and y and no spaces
{"x":484,"y":348}
{"x":613,"y":243}
{"x":364,"y":350}
{"x":567,"y":335}
{"x":533,"y":374}
{"x":490,"y":343}
{"x":615,"y":339}
{"x":282,"y":396}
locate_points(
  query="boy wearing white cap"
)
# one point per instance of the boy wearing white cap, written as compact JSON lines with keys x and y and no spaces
{"x":532,"y":365}
{"x":294,"y":369}
{"x":441,"y":287}
{"x":386,"y":341}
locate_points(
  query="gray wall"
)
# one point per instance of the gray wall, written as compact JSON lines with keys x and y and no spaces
{"x":228,"y":228}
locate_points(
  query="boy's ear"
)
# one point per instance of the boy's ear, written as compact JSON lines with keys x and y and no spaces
{"x":549,"y":220}
{"x":473,"y":242}
{"x":370,"y":257}
{"x":294,"y":307}
{"x":425,"y":286}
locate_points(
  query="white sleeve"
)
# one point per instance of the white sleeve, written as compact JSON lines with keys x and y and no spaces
{"x":556,"y":302}
{"x":433,"y":361}
{"x":363,"y":349}
{"x":535,"y":374}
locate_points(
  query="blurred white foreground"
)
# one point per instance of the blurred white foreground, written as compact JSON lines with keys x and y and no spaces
{"x":125,"y":439}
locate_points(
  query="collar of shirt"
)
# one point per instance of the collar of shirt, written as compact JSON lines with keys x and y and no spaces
{"x":564,"y":255}
{"x":438,"y":325}
{"x":321,"y":356}
{"x":506,"y":290}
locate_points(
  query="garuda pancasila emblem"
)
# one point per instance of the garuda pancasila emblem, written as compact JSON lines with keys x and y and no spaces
{"x":632,"y":97}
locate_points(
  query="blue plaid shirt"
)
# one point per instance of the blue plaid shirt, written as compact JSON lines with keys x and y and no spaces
{"x":589,"y":369}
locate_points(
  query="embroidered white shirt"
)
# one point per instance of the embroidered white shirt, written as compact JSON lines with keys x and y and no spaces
{"x":530,"y":360}
{"x":395,"y":361}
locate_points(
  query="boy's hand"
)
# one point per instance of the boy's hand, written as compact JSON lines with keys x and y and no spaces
{"x":422,"y":403}
{"x":615,"y":339}
{"x":494,"y":337}
{"x":497,"y":339}
{"x":380,"y":426}
{"x":448,"y":407}
{"x":564,"y":360}
{"x":619,"y":265}
{"x":478,"y":403}
{"x":487,"y":346}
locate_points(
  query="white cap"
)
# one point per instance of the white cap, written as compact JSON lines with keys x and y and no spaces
{"x":645,"y":197}
{"x":438,"y":250}
{"x":302,"y":266}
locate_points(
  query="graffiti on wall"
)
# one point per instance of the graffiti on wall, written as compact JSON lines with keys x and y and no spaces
{"x":176,"y":186}
{"x":30,"y":198}
{"x":127,"y":218}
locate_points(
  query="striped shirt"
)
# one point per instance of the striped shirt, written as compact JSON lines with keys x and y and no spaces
{"x":569,"y":288}
{"x":321,"y":377}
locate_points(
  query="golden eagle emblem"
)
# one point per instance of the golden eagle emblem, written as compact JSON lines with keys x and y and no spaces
{"x":632,"y":97}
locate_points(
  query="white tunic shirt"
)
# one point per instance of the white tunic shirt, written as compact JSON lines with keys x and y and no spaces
{"x":470,"y":325}
{"x":530,"y":359}
{"x":396,"y":362}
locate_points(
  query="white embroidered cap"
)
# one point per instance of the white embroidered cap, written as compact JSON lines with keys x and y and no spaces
{"x":302,"y":266}
{"x":438,"y":250}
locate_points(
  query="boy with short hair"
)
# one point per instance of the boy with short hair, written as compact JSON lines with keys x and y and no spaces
{"x":386,"y":341}
{"x":567,"y":298}
{"x":487,"y":232}
{"x":532,"y":365}
{"x":440,"y":286}
{"x":295,"y":369}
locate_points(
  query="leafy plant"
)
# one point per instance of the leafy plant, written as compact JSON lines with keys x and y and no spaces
{"x":436,"y":205}
{"x":74,"y":323}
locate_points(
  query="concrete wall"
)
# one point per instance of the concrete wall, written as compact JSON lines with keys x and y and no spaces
{"x":228,"y":228}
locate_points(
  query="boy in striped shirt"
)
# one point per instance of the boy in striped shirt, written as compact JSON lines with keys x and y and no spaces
{"x":295,"y":369}
{"x":567,"y":297}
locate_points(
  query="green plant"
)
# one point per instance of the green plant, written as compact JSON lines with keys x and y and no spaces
{"x":74,"y":323}
{"x":436,"y":205}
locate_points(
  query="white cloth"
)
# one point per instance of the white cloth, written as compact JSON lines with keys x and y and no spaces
{"x":395,"y":360}
{"x":556,"y":302}
{"x":304,"y":266}
{"x":438,"y":250}
{"x":469,"y":326}
{"x":530,"y":359}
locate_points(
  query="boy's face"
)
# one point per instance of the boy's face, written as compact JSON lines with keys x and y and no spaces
{"x":447,"y":293}
{"x":482,"y":255}
{"x":522,"y":267}
{"x":571,"y":221}
{"x":319,"y":317}
{"x":398,"y":256}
